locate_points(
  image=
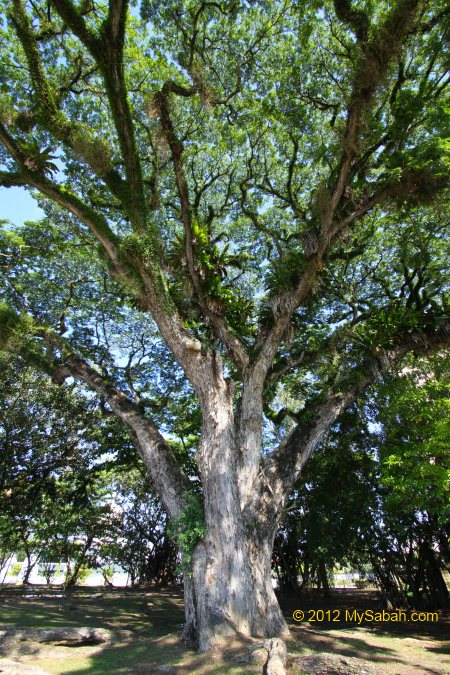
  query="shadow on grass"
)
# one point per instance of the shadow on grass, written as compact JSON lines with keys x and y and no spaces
{"x":368,"y":647}
{"x":441,"y":649}
{"x":358,"y":647}
{"x":155,"y":616}
{"x":343,"y":600}
{"x":402,"y":644}
{"x":150,"y":613}
{"x":142,"y":657}
{"x":139,"y":656}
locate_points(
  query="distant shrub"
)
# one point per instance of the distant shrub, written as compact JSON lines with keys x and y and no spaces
{"x":15,"y":569}
{"x":83,"y":574}
{"x":108,"y":573}
{"x":48,"y":571}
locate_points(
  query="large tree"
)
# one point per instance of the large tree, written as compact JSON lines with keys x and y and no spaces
{"x":264,"y":180}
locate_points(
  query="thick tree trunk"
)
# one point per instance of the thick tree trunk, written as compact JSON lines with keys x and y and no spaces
{"x":229,"y":591}
{"x":230,"y":587}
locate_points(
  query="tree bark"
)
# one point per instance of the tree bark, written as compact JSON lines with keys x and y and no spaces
{"x":228,"y":589}
{"x":322,"y":578}
{"x":31,"y":564}
{"x":228,"y":586}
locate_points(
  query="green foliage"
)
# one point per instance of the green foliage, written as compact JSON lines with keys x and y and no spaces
{"x":83,"y":573}
{"x":260,"y":138}
{"x":271,"y":108}
{"x":8,"y":323}
{"x":53,"y":493}
{"x":48,"y":571}
{"x":137,"y":538}
{"x":377,"y":493}
{"x":37,"y":159}
{"x":285,"y":272}
{"x":387,"y":324}
{"x":188,"y":529}
{"x":108,"y":573}
{"x":16,"y":569}
{"x":415,"y":464}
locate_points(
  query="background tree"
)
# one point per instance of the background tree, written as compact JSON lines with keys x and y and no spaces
{"x":411,"y":544}
{"x":53,"y":497}
{"x":249,"y":172}
{"x":376,"y":494}
{"x":332,"y":509}
{"x":139,"y":542}
{"x":61,"y":498}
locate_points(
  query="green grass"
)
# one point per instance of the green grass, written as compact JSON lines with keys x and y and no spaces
{"x":155,"y":619}
{"x":153,"y":614}
{"x":142,"y":656}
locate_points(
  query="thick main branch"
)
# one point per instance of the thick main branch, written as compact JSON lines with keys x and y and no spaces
{"x":236,"y":348}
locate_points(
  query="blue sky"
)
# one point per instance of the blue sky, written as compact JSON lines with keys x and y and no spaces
{"x":17,"y":205}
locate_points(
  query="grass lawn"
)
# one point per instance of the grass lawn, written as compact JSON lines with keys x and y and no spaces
{"x":155,"y":618}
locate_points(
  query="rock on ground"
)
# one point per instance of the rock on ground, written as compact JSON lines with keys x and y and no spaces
{"x":9,"y":667}
{"x":62,"y":636}
{"x":332,"y":664}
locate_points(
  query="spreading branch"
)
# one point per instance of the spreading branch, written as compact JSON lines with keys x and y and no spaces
{"x":54,"y":355}
{"x":376,"y":56}
{"x":284,"y":465}
{"x":94,"y":221}
{"x":236,"y":348}
{"x":168,"y":479}
{"x":95,"y":153}
{"x":106,"y":48}
{"x":11,"y":179}
{"x":355,"y":18}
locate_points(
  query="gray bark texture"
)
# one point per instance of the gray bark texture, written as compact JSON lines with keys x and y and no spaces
{"x":230,"y":588}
